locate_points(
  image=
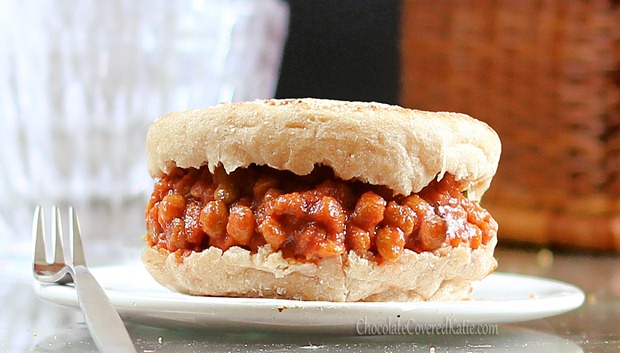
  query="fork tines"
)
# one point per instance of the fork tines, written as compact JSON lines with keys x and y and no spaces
{"x":38,"y":231}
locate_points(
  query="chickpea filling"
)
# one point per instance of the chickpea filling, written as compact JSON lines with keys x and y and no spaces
{"x":308,"y":217}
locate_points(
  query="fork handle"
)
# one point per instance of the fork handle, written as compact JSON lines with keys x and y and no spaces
{"x":104,"y":323}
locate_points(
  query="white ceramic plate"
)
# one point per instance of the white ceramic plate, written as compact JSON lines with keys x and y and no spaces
{"x":499,"y":298}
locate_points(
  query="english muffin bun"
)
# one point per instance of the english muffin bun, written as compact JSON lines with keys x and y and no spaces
{"x":386,"y":175}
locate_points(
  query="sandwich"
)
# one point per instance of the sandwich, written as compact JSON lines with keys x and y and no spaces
{"x":314,"y":199}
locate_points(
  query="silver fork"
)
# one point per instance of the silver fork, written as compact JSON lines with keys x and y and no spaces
{"x":104,"y":323}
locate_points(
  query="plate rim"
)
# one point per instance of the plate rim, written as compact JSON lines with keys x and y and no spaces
{"x":136,"y":307}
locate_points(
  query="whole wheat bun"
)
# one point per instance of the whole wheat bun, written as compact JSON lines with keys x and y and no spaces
{"x":376,"y":143}
{"x":443,"y":275}
{"x":379,"y":144}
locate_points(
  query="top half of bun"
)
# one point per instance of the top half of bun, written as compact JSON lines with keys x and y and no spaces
{"x":380,"y":144}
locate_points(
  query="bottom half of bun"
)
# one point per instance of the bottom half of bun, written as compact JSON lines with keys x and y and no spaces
{"x":443,"y":275}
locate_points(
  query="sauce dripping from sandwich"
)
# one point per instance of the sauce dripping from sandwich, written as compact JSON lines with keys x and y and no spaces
{"x":308,"y":217}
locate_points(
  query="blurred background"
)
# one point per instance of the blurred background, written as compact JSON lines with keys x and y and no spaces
{"x":546,"y":76}
{"x":342,"y":49}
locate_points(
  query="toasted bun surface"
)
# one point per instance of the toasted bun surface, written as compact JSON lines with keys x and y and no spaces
{"x":380,"y":144}
{"x":444,"y":275}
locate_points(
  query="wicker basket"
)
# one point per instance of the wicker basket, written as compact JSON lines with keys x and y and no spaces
{"x":546,"y":76}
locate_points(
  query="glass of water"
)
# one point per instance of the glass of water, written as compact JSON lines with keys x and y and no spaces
{"x":81,"y":81}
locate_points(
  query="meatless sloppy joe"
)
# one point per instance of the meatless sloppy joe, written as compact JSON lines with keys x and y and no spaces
{"x":308,"y":217}
{"x":320,"y":200}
